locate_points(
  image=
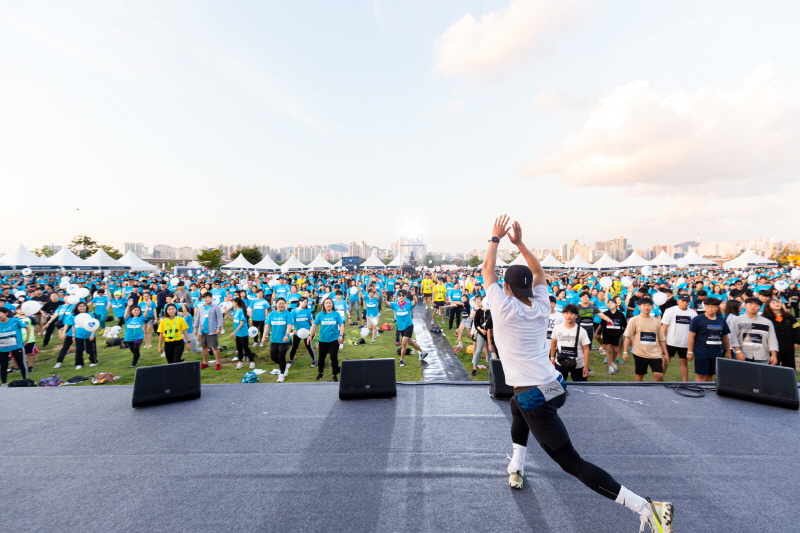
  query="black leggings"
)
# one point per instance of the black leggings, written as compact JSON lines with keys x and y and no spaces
{"x":88,"y":346}
{"x":64,"y":348}
{"x":455,"y":312}
{"x":18,"y":357}
{"x":277,"y":352}
{"x":296,"y":341}
{"x":134,"y":348}
{"x":260,"y":325}
{"x":552,"y":436}
{"x":331,"y":348}
{"x":48,"y":332}
{"x":174,"y":351}
{"x":243,"y":349}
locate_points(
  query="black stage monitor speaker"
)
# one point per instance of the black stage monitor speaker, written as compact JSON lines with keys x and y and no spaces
{"x":773,"y":385}
{"x":497,"y":378}
{"x":166,"y":383}
{"x":367,"y":378}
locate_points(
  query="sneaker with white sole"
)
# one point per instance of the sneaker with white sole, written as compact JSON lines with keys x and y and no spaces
{"x":163,"y":354}
{"x":252,"y":366}
{"x":78,"y":367}
{"x":239,"y":365}
{"x":660,"y":521}
{"x":93,"y":364}
{"x":515,"y":476}
{"x":281,"y":377}
{"x":57,"y":365}
{"x":235,"y":359}
{"x":612,"y":369}
{"x":402,"y":363}
{"x":286,"y":370}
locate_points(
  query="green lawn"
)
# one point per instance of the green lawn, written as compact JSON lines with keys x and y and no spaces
{"x":118,"y":361}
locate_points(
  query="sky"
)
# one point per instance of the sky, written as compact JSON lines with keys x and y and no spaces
{"x":315,"y":122}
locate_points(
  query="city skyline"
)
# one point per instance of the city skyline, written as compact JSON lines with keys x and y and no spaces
{"x":312,"y":121}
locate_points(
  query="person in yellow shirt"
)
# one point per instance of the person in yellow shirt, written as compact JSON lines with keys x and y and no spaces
{"x":427,"y":289}
{"x":172,"y":335}
{"x":439,"y":297}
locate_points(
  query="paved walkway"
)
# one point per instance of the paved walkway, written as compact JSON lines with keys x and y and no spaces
{"x":442,"y":365}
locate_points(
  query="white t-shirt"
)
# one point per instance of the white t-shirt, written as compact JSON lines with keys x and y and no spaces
{"x":555,"y":319}
{"x":565,"y":341}
{"x":520,"y":333}
{"x":677,"y":322}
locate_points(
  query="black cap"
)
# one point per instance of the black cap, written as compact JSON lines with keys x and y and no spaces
{"x":520,"y":280}
{"x":684,"y":297}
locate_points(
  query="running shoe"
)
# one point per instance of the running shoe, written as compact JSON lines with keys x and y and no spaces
{"x":605,"y":359}
{"x":619,"y":361}
{"x":286,"y":370}
{"x":281,"y":377}
{"x":235,"y":359}
{"x":313,"y":364}
{"x":319,"y":377}
{"x":397,"y":344}
{"x":660,"y":521}
{"x":612,"y":369}
{"x":515,"y":477}
{"x":78,"y":367}
{"x":373,"y":340}
{"x":591,"y":373}
{"x":57,"y":365}
{"x":93,"y":364}
{"x":335,"y":379}
{"x":252,"y":366}
{"x":218,"y":367}
{"x":239,"y":365}
{"x":474,"y":372}
{"x":163,"y":354}
{"x":204,"y":365}
{"x":423,"y":355}
{"x":402,"y":363}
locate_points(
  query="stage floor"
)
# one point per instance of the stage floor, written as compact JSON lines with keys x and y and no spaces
{"x":292,"y":457}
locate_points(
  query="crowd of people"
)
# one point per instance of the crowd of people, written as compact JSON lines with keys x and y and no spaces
{"x":694,"y":315}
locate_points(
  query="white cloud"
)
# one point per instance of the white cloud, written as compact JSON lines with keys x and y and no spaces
{"x":637,"y":136}
{"x":500,"y":40}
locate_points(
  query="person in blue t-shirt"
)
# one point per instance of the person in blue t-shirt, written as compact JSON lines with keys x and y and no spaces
{"x":454,"y":304}
{"x":331,"y":335}
{"x":403,"y":309}
{"x":134,"y":330}
{"x":259,"y":308}
{"x":11,"y":343}
{"x":84,"y":339}
{"x":302,"y":317}
{"x":100,"y":308}
{"x":373,"y":311}
{"x":708,"y":339}
{"x":241,"y":334}
{"x":354,"y":296}
{"x":279,"y":327}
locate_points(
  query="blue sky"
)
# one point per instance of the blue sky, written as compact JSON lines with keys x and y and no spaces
{"x":285,"y":123}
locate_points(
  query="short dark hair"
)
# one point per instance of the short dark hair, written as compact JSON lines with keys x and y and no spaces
{"x":584,"y":293}
{"x":644,"y":301}
{"x":752,"y":301}
{"x":552,"y":299}
{"x":702,"y":292}
{"x":570,"y":308}
{"x":765,"y":292}
{"x":712,"y":301}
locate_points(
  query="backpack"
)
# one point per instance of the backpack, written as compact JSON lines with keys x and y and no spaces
{"x":569,"y":362}
{"x":52,"y":381}
{"x":250,"y":377}
{"x":116,"y":341}
{"x":22,"y":383}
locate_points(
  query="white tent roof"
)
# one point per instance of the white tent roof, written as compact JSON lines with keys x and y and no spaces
{"x":267,"y":264}
{"x":135,"y":262}
{"x":519,"y":260}
{"x":293,"y":263}
{"x":501,"y":264}
{"x":65,"y":259}
{"x":372,"y":262}
{"x":397,"y":261}
{"x":663,"y":259}
{"x":338,"y":264}
{"x":578,"y":262}
{"x":20,"y":258}
{"x":102,"y":261}
{"x":696,"y":259}
{"x":240,"y":263}
{"x":635,"y":260}
{"x":606,"y":262}
{"x":550,"y":262}
{"x":319,"y":263}
{"x":748,"y":258}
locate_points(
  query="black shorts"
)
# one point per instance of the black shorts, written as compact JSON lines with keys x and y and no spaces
{"x":641,"y":364}
{"x":674,"y":350}
{"x":408,"y":332}
{"x":705,"y":366}
{"x":613,"y":340}
{"x":437,"y":305}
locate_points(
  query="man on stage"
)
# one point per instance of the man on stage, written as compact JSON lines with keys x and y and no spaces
{"x":520,"y":310}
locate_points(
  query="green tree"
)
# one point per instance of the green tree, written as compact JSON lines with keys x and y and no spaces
{"x":782,"y":257}
{"x":475,"y":261}
{"x":44,"y":251}
{"x":253,"y":255}
{"x":84,"y":246}
{"x":513,"y":255}
{"x":389,"y":258}
{"x":429,"y":260}
{"x":211,"y":259}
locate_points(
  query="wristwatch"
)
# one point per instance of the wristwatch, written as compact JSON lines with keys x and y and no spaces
{"x":494,"y":239}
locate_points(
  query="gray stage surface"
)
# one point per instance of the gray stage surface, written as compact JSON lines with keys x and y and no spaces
{"x":292,"y":457}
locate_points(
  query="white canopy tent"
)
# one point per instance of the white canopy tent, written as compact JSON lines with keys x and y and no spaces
{"x":100,"y":260}
{"x":372,"y":262}
{"x":501,"y":264}
{"x":338,"y":264}
{"x":397,"y":262}
{"x":135,"y":262}
{"x":578,"y":262}
{"x":664,"y":259}
{"x":21,"y":257}
{"x":267,"y":265}
{"x":696,"y":259}
{"x":606,"y":262}
{"x":319,"y":263}
{"x":748,"y":259}
{"x":240,"y":263}
{"x":293,"y":264}
{"x":635,"y":260}
{"x":550,"y":262}
{"x":67,"y":260}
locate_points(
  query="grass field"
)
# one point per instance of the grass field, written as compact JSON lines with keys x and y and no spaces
{"x":118,"y":361}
